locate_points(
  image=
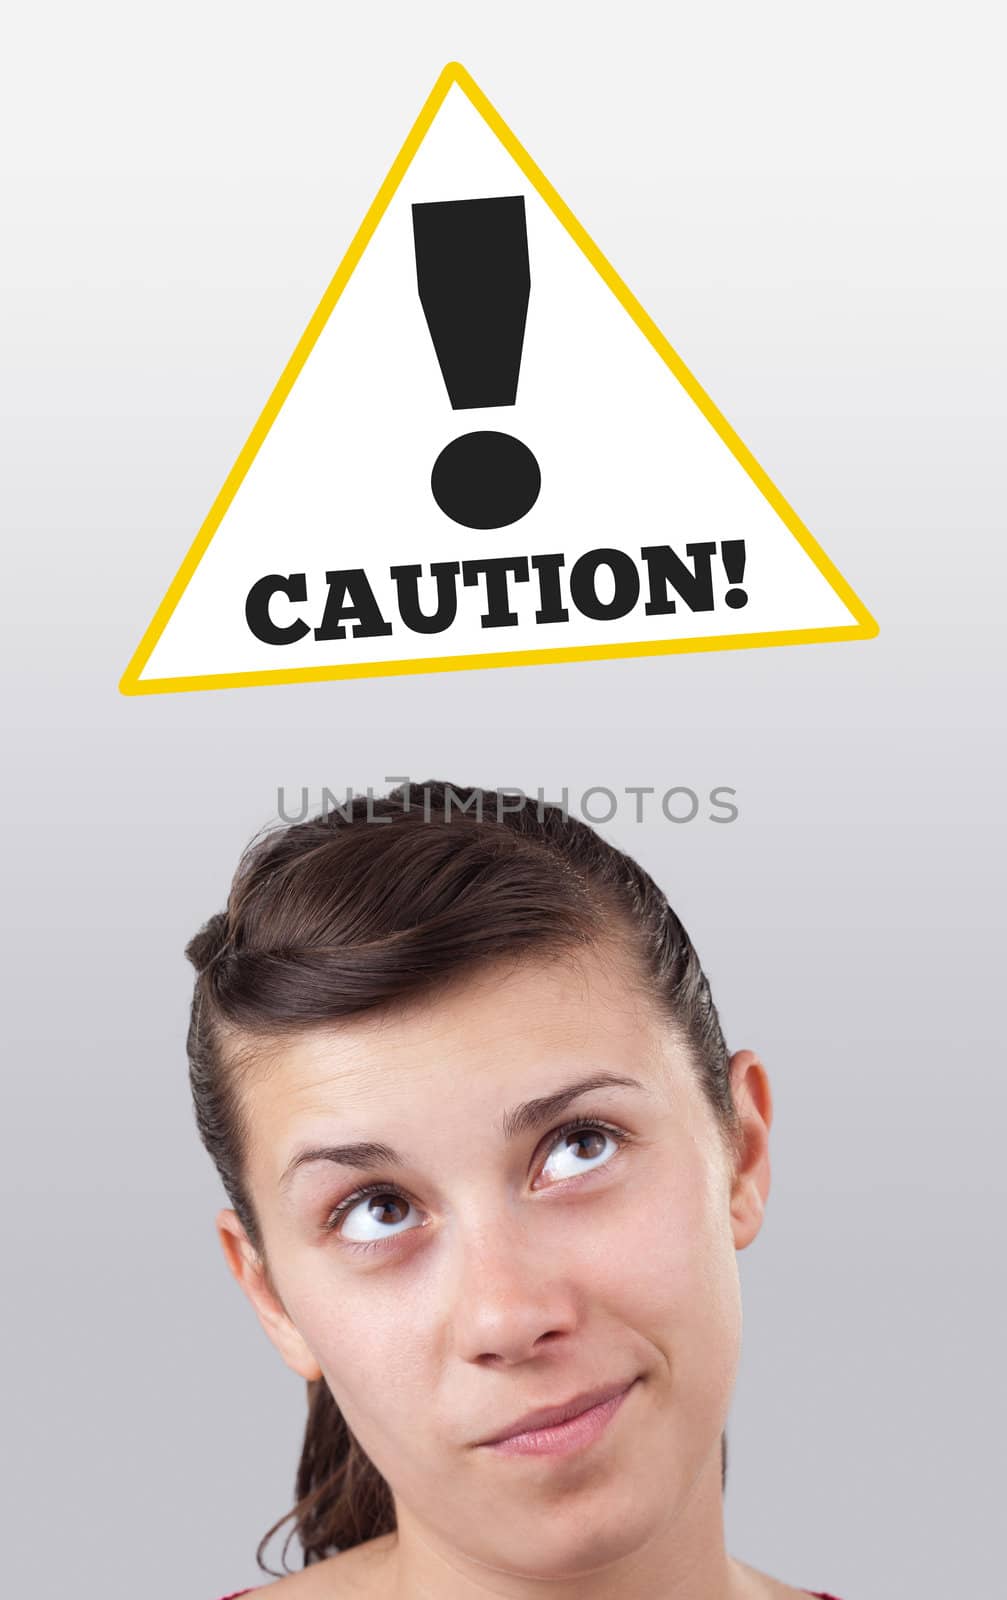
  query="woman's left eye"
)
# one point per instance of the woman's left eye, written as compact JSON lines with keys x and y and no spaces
{"x":567,"y":1144}
{"x":592,"y":1135}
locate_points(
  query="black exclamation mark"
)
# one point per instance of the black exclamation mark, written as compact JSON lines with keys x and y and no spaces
{"x":474,"y":280}
{"x":732,"y":553}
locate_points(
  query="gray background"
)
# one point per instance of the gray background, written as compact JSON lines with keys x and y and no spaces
{"x":807,"y":201}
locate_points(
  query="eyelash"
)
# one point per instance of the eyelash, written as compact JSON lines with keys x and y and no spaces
{"x":335,"y":1217}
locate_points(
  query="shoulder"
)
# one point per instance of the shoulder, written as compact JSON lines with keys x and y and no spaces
{"x":354,"y":1574}
{"x":751,"y":1584}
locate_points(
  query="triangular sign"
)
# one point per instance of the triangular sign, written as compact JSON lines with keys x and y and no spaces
{"x":483,"y":453}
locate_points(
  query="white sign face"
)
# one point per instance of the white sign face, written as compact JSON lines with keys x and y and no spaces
{"x":483,"y":453}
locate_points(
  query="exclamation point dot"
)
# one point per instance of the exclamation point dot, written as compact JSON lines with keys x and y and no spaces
{"x":485,"y":480}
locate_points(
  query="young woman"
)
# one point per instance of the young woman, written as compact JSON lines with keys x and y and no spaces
{"x":489,"y":1164}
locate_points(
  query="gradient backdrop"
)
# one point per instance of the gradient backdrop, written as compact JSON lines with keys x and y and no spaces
{"x":808,"y":200}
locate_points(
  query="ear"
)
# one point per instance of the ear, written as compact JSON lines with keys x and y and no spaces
{"x":750,"y":1190}
{"x":250,"y":1272}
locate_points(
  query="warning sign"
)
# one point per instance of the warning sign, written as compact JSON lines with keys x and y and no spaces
{"x":483,"y":453}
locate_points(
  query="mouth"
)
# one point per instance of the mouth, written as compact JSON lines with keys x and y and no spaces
{"x":558,"y":1430}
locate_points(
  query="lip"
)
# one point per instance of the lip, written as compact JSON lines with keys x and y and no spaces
{"x":558,"y":1429}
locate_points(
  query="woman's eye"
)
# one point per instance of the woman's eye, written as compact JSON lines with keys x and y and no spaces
{"x":580,"y":1149}
{"x":385,"y":1208}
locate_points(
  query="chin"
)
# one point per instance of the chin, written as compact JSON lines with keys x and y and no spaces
{"x":564,"y":1538}
{"x":590,"y":1550}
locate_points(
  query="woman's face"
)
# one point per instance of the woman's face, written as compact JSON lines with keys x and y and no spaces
{"x":502,"y":1265}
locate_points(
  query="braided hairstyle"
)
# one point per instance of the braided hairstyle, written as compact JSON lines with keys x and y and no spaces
{"x":367,"y":903}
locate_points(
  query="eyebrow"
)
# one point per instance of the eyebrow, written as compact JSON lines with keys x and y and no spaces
{"x":523,"y":1119}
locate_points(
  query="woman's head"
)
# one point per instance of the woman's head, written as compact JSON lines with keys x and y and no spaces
{"x":435,"y":981}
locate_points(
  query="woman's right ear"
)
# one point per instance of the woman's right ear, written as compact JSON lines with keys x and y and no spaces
{"x":250,"y":1273}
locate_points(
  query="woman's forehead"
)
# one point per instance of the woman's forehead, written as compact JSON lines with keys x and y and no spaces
{"x":552,"y":1005}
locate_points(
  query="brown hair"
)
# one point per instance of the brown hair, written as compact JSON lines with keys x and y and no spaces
{"x":376,"y":900}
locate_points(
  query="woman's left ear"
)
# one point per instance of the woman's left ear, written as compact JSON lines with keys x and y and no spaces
{"x":750,"y":1189}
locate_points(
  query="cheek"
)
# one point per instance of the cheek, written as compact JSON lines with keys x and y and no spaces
{"x":676,"y":1271}
{"x":370,"y":1354}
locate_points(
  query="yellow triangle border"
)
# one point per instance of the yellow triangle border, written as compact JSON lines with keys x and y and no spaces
{"x":454,"y":73}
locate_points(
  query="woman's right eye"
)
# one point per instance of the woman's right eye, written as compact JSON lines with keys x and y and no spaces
{"x":380,"y":1206}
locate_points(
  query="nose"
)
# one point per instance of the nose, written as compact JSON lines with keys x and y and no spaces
{"x":509,"y":1295}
